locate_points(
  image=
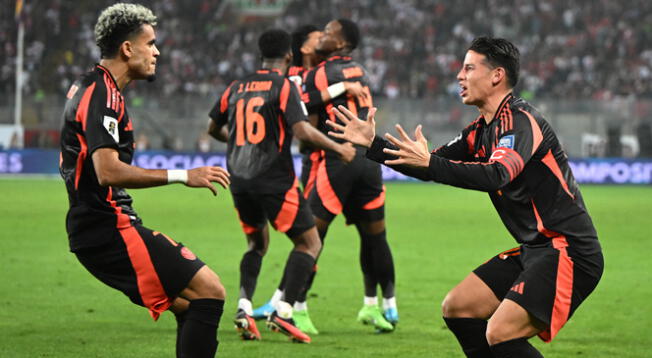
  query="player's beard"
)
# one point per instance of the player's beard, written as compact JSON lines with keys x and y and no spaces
{"x":151,"y":78}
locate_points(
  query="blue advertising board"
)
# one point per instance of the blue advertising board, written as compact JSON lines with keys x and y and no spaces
{"x":586,"y":171}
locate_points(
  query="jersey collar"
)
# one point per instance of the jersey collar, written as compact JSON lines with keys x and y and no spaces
{"x":338,"y":57}
{"x":502,"y":105}
{"x":267,"y":70}
{"x":105,"y":70}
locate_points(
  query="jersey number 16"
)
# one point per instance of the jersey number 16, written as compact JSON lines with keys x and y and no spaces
{"x":250,"y":121}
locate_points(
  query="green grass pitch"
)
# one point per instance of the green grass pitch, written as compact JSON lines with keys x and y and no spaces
{"x":51,"y":307}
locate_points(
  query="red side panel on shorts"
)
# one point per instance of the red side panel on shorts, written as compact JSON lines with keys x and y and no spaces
{"x":564,"y":285}
{"x":149,"y":285}
{"x":289,"y":210}
{"x":248,"y":229}
{"x":326,"y":193}
{"x":376,"y":203}
{"x":315,"y":158}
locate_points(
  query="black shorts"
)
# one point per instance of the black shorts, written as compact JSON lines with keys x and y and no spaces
{"x":549,"y":282}
{"x":147,"y":266}
{"x":287,"y":212}
{"x":355,"y":189}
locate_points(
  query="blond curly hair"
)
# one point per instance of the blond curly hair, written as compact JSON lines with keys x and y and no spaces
{"x":117,"y":23}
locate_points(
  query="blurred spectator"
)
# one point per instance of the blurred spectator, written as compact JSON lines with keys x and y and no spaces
{"x":571,"y":49}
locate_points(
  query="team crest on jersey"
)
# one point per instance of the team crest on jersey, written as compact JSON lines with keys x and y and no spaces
{"x":111,"y":125}
{"x":506,"y":142}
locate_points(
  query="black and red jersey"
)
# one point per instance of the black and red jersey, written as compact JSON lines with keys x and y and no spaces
{"x":337,"y":69}
{"x":94,"y":117}
{"x":518,"y":159}
{"x":260,"y":111}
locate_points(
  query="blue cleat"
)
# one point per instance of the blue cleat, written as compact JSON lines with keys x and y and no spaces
{"x":391,"y":315}
{"x":264,"y":311}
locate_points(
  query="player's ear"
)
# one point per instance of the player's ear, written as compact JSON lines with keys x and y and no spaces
{"x":126,"y":49}
{"x":288,"y":57}
{"x":498,"y":75}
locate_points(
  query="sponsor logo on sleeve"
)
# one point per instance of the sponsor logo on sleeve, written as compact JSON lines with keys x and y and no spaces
{"x":111,"y":125}
{"x":506,"y":142}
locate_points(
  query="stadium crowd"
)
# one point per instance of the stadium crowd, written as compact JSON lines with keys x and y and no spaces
{"x":589,"y":49}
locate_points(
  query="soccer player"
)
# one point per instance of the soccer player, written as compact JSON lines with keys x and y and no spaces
{"x":257,"y":116}
{"x":511,"y":152}
{"x":105,"y":233}
{"x":304,"y":58}
{"x":355,"y":189}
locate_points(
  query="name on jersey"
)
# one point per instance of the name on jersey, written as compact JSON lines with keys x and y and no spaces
{"x":111,"y":125}
{"x":506,"y":142}
{"x":255,"y":86}
{"x":352,"y":72}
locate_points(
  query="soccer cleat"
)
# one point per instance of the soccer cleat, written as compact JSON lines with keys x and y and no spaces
{"x":287,"y":327}
{"x":246,"y":326}
{"x":263,"y":311}
{"x":371,"y":315}
{"x":303,"y":322}
{"x":391,"y":315}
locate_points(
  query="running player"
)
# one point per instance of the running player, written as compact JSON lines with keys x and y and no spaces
{"x":304,"y":57}
{"x":355,"y":189}
{"x":257,"y":116}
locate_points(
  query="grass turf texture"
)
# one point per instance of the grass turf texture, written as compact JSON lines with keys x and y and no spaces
{"x":52,"y":307}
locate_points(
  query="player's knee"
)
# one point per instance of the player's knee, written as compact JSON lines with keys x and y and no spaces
{"x":308,"y":242}
{"x":210,"y":286}
{"x":453,"y":306}
{"x":496,"y":333}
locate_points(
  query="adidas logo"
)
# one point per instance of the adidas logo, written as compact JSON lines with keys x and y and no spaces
{"x":518,"y":288}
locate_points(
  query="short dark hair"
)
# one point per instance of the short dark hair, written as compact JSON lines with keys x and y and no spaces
{"x":274,"y":43}
{"x":117,"y":23}
{"x":299,"y":37}
{"x":351,"y":33}
{"x":499,"y":53}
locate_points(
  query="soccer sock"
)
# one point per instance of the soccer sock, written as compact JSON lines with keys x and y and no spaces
{"x":370,"y":300}
{"x":471,"y":333}
{"x":249,"y":270}
{"x":181,"y":319}
{"x":297,"y":270}
{"x":382,"y":263}
{"x":278,"y":294}
{"x":389,"y":303}
{"x":245,"y":305}
{"x":366,"y":265}
{"x":304,"y":293}
{"x":515,"y":348}
{"x":199,"y":333}
{"x":300,"y":306}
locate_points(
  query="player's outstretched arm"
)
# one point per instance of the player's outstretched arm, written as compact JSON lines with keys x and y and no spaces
{"x":353,"y":129}
{"x":413,"y":153}
{"x":307,"y":133}
{"x":111,"y":171}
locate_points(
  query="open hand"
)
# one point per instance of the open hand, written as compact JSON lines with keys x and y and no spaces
{"x":205,"y":176}
{"x":353,"y":129}
{"x":410,"y":152}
